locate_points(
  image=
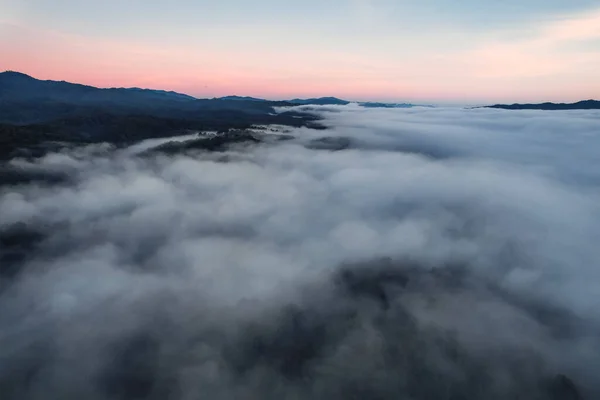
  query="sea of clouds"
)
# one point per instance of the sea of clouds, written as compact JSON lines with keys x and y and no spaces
{"x":442,"y":253}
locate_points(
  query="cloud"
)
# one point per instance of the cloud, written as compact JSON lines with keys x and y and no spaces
{"x":447,"y":245}
{"x":543,"y":53}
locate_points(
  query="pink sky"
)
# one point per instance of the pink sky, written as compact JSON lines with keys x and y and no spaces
{"x":556,"y":60}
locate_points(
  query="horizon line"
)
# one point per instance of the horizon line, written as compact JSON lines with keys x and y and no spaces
{"x":456,"y":103}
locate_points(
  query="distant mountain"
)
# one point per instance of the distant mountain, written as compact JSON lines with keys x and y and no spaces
{"x":164,"y":93}
{"x":240,"y":98}
{"x":16,"y":86}
{"x":385,"y":105}
{"x":35,"y":112}
{"x":325,"y":101}
{"x":25,"y":100}
{"x":336,"y":101}
{"x":304,"y":102}
{"x":580,"y":105}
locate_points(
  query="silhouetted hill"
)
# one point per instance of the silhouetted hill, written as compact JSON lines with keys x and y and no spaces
{"x":28,"y":92}
{"x":370,"y":104}
{"x":25,"y":100}
{"x":336,"y":101}
{"x":164,"y":93}
{"x":304,"y":102}
{"x":16,"y":86}
{"x":34,"y":112}
{"x":580,"y":105}
{"x":319,"y":101}
{"x":241,"y":98}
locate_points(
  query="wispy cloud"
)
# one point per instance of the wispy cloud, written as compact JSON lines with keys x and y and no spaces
{"x":543,"y":53}
{"x":369,"y":50}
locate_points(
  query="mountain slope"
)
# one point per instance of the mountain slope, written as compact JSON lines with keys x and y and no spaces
{"x":26,"y":100}
{"x":16,"y":86}
{"x":34,"y":112}
{"x":241,"y":98}
{"x":19,"y":87}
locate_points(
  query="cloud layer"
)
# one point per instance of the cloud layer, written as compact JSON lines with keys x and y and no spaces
{"x":438,"y":253}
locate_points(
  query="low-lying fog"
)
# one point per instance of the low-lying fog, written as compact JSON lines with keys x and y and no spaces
{"x":412,"y":254}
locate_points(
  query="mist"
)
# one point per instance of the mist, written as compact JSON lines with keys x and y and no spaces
{"x":423,"y":253}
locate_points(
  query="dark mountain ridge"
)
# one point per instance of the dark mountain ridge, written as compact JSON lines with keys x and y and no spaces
{"x":580,"y":105}
{"x":24,"y":99}
{"x":16,"y":86}
{"x":20,"y":87}
{"x":319,"y":101}
{"x":33,"y":111}
{"x":240,"y":98}
{"x":47,"y":99}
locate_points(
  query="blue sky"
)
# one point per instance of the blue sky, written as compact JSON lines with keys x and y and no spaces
{"x":378,"y":49}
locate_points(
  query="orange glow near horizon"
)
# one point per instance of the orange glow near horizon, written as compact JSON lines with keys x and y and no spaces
{"x":528,"y":69}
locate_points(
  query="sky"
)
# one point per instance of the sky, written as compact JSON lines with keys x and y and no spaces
{"x":444,"y":51}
